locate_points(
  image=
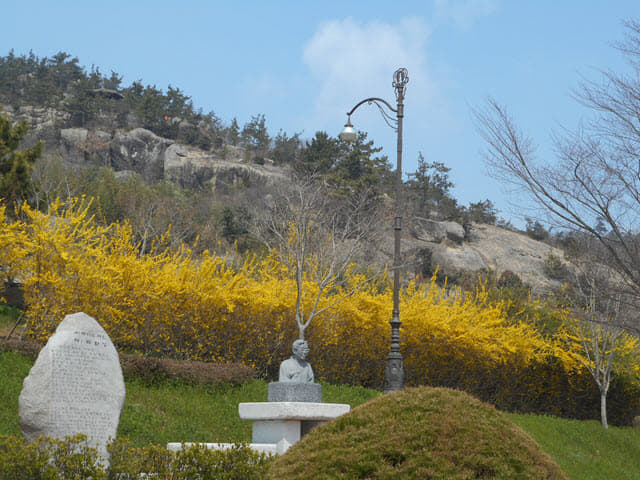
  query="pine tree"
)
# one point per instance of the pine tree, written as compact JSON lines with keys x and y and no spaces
{"x":15,"y":163}
{"x":233,"y":133}
{"x":285,"y":148}
{"x":319,"y":156}
{"x":359,"y":169}
{"x":255,"y":138}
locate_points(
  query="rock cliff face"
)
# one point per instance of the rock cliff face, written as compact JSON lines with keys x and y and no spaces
{"x":143,"y":152}
{"x":484,"y":247}
{"x":191,"y":167}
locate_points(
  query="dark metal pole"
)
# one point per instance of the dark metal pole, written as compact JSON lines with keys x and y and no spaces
{"x":394,"y":373}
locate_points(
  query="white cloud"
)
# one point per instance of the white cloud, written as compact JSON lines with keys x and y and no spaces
{"x":350,"y":60}
{"x":465,"y":12}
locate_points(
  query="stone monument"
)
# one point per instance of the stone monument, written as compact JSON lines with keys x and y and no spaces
{"x":294,"y":404}
{"x":296,"y":379}
{"x":293,"y":408}
{"x":75,"y":386}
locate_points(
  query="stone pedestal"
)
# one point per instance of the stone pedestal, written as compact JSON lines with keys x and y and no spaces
{"x":294,"y":392}
{"x":278,"y":425}
{"x":274,"y":422}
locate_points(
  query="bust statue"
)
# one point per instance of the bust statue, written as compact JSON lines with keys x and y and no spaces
{"x":297,"y":369}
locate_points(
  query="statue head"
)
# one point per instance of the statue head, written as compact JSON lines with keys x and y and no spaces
{"x":300,"y":349}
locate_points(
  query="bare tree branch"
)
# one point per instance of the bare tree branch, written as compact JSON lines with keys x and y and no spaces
{"x":317,"y":237}
{"x":595,"y":178}
{"x":600,"y":309}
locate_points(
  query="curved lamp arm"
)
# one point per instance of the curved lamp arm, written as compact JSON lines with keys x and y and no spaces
{"x":400,"y":80}
{"x":372,"y":100}
{"x":349,"y":134}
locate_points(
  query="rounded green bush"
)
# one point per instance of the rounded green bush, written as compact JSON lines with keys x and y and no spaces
{"x":418,"y":433}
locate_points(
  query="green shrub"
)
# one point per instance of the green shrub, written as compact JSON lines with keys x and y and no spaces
{"x":152,"y":370}
{"x":239,"y":462}
{"x":72,"y":458}
{"x":49,"y":459}
{"x":418,"y":433}
{"x":554,"y":268}
{"x":509,"y":279}
{"x":542,"y":386}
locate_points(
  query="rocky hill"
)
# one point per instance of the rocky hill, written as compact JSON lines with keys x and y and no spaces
{"x":483,"y":247}
{"x":426,"y":243}
{"x":136,"y":149}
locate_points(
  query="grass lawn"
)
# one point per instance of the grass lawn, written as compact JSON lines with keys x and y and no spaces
{"x":175,"y":412}
{"x":13,"y":368}
{"x":8,"y":318}
{"x":584,"y":449}
{"x":168,"y":411}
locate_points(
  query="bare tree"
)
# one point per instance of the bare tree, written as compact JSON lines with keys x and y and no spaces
{"x":50,"y":180}
{"x":593,"y":186}
{"x":316,"y":237}
{"x":600,"y":312}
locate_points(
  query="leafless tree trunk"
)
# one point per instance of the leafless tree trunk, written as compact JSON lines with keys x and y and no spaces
{"x":317,"y":237}
{"x":600,"y":310}
{"x":595,"y":180}
{"x":50,"y":180}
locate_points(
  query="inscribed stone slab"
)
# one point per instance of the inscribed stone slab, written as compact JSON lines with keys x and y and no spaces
{"x":75,"y":386}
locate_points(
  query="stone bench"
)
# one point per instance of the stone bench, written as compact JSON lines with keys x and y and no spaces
{"x":274,"y":422}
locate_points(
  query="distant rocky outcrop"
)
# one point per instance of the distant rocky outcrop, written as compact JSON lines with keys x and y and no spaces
{"x":431,"y":244}
{"x":432,"y":231}
{"x":139,"y":150}
{"x":191,"y":167}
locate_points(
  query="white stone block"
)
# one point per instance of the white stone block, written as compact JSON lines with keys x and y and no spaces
{"x":292,"y":411}
{"x":279,"y":425}
{"x":275,"y":422}
{"x":273,"y":431}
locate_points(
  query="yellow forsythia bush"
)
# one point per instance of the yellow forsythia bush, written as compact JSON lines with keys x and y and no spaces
{"x":169,"y":303}
{"x":203,"y":307}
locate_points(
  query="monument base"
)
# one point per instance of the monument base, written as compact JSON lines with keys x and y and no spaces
{"x":294,"y":392}
{"x":279,"y":425}
{"x":275,"y":422}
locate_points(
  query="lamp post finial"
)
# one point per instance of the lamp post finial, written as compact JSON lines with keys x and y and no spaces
{"x":400,"y":80}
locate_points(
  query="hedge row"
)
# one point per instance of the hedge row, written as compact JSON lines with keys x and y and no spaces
{"x":50,"y":459}
{"x":541,"y":386}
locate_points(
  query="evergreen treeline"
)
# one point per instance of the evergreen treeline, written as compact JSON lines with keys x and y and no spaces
{"x":91,"y":98}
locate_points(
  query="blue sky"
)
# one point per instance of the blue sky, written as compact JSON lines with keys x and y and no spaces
{"x":304,"y":64}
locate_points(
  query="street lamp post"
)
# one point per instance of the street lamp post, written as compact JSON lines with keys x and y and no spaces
{"x":394,"y":372}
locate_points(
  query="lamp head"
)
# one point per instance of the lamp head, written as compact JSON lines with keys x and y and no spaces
{"x":348,"y":134}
